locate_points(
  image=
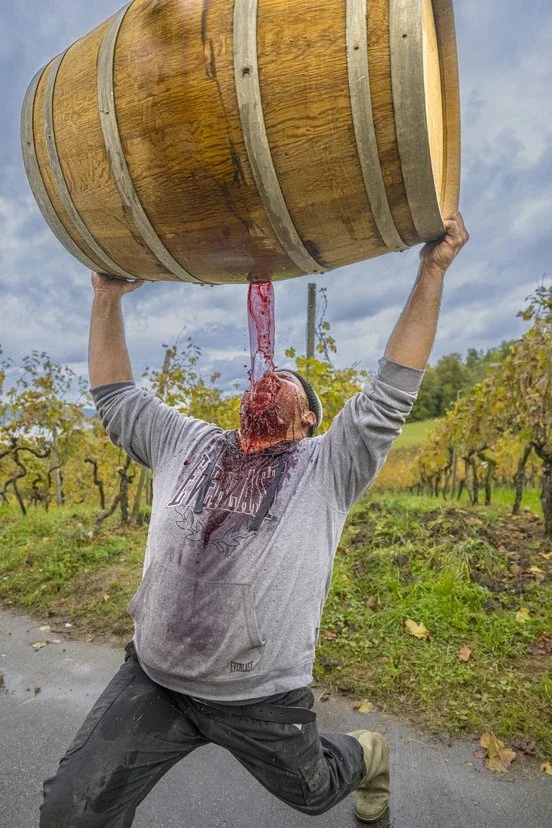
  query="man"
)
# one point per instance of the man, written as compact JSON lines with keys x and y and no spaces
{"x":242,"y":537}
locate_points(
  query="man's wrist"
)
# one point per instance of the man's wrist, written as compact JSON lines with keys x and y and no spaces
{"x":107,"y":298}
{"x":432,"y":271}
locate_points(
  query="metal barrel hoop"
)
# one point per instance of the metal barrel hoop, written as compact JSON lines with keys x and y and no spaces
{"x":409,"y":101}
{"x":108,"y":265}
{"x":36,"y":182}
{"x":363,"y":123}
{"x":116,"y":156}
{"x":248,"y":89}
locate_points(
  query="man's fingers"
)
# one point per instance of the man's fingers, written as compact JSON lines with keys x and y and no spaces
{"x":115,"y":284}
{"x":455,"y":223}
{"x":452,"y":227}
{"x":137,"y":283}
{"x":455,"y":228}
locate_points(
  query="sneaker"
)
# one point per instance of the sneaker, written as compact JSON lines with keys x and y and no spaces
{"x":372,"y":794}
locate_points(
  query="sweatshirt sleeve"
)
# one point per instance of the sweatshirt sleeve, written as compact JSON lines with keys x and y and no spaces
{"x":354,"y":449}
{"x":140,"y":423}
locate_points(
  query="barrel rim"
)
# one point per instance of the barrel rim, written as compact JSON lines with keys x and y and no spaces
{"x":443,"y":12}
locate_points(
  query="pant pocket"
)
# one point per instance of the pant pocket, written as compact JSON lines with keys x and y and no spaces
{"x":315,"y":778}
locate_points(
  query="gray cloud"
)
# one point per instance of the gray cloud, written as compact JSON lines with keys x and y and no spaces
{"x":507,"y":172}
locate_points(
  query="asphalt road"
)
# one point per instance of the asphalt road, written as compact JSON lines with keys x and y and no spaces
{"x":435,"y":783}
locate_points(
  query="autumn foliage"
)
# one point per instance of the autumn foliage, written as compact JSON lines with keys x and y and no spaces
{"x":500,"y":431}
{"x":53,"y":452}
{"x":500,"y":426}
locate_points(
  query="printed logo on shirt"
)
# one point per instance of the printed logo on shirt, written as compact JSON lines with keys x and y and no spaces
{"x":240,"y":488}
{"x":236,"y":667}
{"x":224,"y":536}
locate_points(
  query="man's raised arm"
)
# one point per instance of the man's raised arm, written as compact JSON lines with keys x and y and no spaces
{"x":108,"y":359}
{"x":355,"y":447}
{"x":412,"y":339}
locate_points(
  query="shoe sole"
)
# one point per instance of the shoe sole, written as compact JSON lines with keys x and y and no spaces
{"x":372,"y":819}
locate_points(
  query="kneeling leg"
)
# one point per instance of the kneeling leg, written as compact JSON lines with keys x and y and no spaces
{"x":132,"y":736}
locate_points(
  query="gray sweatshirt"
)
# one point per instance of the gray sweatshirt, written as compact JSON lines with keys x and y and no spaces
{"x":241,"y":546}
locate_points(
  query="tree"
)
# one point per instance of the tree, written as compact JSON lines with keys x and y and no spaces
{"x":527,"y":383}
{"x":512,"y":402}
{"x":39,"y":416}
{"x":452,"y":378}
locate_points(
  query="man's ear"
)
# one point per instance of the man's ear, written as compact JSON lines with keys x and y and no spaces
{"x":309,"y":418}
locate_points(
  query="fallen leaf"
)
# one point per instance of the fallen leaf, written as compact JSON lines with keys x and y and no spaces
{"x":499,"y":757}
{"x":372,"y":601}
{"x":329,"y":636}
{"x":523,"y":615}
{"x":527,"y":746}
{"x":38,"y":645}
{"x":543,"y":646}
{"x":516,"y":570}
{"x":363,"y":706}
{"x":538,"y":573}
{"x":465,"y":653}
{"x":547,"y":556}
{"x":547,"y":768}
{"x":417,"y":630}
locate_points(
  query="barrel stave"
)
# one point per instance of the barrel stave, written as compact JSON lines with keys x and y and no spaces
{"x":302,"y":47}
{"x":205,"y":204}
{"x":189,"y":165}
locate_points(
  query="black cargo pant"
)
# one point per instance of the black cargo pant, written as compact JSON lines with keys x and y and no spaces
{"x":138,"y":730}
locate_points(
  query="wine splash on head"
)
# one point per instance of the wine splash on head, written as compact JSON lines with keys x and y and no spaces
{"x":261,"y":416}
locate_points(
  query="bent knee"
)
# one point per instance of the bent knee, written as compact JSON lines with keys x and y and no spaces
{"x":66,"y":807}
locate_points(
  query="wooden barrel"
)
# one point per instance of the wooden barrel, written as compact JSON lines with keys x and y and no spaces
{"x":213,"y":141}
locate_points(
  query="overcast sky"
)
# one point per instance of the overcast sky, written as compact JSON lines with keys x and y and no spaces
{"x":506,"y":200}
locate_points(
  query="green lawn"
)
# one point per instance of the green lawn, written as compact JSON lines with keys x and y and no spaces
{"x":414,"y":433}
{"x":465,"y":574}
{"x":505,"y":496}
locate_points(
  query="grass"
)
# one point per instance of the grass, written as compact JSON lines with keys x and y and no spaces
{"x":464,"y":573}
{"x":52,"y":562}
{"x":502,"y":497}
{"x":414,"y":433}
